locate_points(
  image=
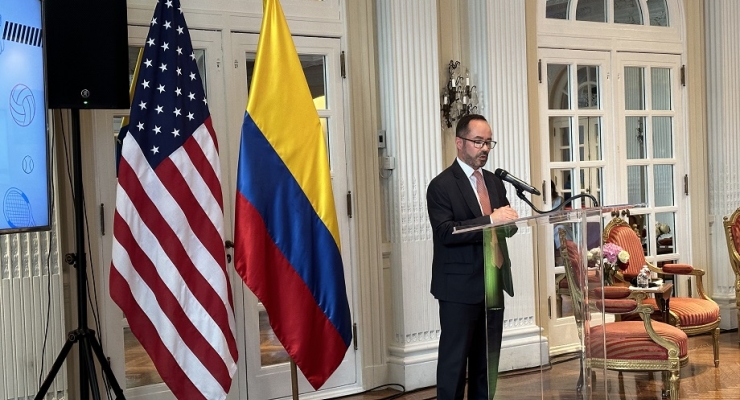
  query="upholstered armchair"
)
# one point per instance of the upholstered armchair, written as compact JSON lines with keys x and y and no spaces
{"x":562,"y":288}
{"x":732,"y":234}
{"x":642,"y":345}
{"x":561,"y":283}
{"x":693,"y":315}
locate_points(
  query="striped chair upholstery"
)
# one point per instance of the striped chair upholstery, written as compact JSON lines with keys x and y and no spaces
{"x":693,"y":315}
{"x":628,"y":340}
{"x":643,"y":345}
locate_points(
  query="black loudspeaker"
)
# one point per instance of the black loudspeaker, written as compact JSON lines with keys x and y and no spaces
{"x":86,"y":44}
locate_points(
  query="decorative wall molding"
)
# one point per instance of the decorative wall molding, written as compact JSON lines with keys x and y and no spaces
{"x":409,"y":104}
{"x":723,"y":97}
{"x":498,"y":46}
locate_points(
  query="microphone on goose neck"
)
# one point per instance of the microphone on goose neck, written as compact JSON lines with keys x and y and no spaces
{"x":518,"y":183}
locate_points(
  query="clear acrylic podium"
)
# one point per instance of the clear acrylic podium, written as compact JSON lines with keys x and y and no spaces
{"x":531,"y":248}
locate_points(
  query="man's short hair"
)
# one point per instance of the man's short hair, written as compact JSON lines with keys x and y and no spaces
{"x":461,"y":130}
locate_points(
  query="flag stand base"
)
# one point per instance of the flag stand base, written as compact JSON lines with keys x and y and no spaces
{"x":85,"y":336}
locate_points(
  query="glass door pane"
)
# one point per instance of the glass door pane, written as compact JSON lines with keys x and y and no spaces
{"x":591,"y":10}
{"x":650,"y":123}
{"x":572,"y":100}
{"x":560,"y":144}
{"x":577,"y":149}
{"x":589,"y":138}
{"x":627,"y":12}
{"x":658,"y":12}
{"x":635,"y":136}
{"x":558,"y":84}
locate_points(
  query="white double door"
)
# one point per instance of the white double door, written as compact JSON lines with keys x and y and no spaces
{"x":613,"y":128}
{"x":263,"y":367}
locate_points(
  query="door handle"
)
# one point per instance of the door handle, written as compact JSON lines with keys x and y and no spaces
{"x":229,"y":245}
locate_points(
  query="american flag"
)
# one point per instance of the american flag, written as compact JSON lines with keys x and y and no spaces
{"x":168,"y":269}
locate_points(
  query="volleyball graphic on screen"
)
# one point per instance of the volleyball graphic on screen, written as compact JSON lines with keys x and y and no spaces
{"x":22,"y":105}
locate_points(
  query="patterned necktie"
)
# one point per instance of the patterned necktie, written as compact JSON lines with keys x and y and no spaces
{"x":480,"y":187}
{"x":485,"y":204}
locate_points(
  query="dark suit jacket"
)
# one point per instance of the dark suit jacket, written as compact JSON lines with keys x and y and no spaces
{"x":457,"y":267}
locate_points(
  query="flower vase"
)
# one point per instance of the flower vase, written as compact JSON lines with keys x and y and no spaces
{"x":609,"y":271}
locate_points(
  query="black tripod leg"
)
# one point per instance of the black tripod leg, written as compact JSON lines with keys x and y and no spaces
{"x":105,"y":366}
{"x":83,"y":371}
{"x":92,"y":377}
{"x":71,"y":339}
{"x":88,"y":375}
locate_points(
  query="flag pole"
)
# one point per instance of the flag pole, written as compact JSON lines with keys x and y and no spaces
{"x":294,"y":379}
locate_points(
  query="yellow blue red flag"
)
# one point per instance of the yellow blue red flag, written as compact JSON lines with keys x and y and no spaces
{"x":286,"y":236}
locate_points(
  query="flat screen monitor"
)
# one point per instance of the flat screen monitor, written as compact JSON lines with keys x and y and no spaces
{"x":24,"y":161}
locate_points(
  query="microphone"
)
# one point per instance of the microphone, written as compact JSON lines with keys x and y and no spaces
{"x":518,"y":183}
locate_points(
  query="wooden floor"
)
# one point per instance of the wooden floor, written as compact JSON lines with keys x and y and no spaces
{"x":700,"y":380}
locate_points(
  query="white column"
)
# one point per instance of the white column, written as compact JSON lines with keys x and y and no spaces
{"x":498,"y":52}
{"x":723,"y":101}
{"x":409,"y":104}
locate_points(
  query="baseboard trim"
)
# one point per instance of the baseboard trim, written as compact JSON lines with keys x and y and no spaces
{"x":416,"y":366}
{"x":727,"y":311}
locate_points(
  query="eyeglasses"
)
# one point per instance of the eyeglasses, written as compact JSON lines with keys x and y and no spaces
{"x":478,"y":144}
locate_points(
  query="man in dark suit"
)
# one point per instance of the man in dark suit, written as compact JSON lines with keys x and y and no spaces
{"x":466,"y":195}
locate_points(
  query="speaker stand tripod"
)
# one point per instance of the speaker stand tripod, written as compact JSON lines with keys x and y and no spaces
{"x":82,"y":335}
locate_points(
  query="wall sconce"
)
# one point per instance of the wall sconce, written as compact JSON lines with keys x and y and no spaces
{"x":458,"y":97}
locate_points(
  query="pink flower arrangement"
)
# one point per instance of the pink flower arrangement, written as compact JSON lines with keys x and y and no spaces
{"x":615,"y":255}
{"x":611,"y":257}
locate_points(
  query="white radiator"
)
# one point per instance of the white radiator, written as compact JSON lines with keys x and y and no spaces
{"x":29,"y":276}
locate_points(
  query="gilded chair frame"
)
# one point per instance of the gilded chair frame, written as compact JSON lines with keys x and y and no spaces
{"x":670,"y":366}
{"x":673,"y":318}
{"x":560,"y":292}
{"x":732,"y":251}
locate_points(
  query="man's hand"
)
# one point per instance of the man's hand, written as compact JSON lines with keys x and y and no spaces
{"x":503,"y":214}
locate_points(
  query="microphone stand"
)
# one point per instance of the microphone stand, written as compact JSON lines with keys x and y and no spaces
{"x":520,"y":194}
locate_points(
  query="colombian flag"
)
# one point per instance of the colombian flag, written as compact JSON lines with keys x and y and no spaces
{"x":287,"y":237}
